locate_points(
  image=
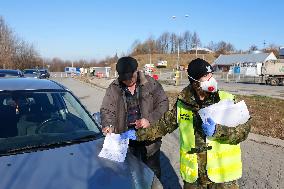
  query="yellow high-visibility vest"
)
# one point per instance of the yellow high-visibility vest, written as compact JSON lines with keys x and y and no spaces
{"x":223,"y":160}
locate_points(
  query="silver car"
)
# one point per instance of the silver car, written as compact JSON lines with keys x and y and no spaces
{"x":49,"y":140}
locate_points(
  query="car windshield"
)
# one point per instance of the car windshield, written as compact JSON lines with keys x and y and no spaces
{"x":36,"y":118}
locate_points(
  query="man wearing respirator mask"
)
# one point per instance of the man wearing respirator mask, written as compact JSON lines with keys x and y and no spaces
{"x":210,"y":154}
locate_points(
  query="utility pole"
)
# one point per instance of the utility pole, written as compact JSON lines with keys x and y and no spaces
{"x":177,"y":74}
{"x":264,"y":43}
{"x":196,"y":50}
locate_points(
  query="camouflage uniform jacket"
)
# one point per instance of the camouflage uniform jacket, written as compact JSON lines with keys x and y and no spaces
{"x":168,"y":123}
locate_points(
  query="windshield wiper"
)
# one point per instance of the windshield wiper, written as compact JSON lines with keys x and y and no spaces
{"x":85,"y":138}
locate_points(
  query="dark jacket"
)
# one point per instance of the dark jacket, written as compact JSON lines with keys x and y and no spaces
{"x":152,"y":99}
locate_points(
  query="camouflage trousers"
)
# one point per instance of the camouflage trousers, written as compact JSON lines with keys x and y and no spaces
{"x":226,"y":185}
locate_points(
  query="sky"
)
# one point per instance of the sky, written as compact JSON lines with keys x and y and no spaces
{"x":92,"y":29}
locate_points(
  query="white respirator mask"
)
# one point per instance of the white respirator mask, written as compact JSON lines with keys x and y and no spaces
{"x":209,"y":85}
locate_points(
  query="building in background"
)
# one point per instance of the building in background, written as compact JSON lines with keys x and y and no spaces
{"x":200,"y":50}
{"x":247,"y":64}
{"x":281,"y":52}
{"x":100,"y":71}
{"x":72,"y":70}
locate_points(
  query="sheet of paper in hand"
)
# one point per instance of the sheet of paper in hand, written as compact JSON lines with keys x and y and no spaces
{"x":114,"y":147}
{"x":226,"y":113}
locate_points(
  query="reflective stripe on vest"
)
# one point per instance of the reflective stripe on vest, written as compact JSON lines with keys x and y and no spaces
{"x":223,"y":160}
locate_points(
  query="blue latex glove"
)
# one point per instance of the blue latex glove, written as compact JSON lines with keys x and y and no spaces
{"x":130,"y":134}
{"x":209,"y":127}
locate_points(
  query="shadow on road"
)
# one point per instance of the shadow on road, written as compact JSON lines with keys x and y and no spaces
{"x":169,"y":178}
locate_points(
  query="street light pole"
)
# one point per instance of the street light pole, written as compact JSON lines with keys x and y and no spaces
{"x":196,"y":50}
{"x":177,"y":74}
{"x":174,"y":17}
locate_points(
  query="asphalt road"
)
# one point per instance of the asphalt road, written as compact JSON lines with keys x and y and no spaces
{"x":263,"y":164}
{"x":240,"y":89}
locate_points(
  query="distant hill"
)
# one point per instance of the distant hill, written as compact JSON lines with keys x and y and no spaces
{"x":172,"y":59}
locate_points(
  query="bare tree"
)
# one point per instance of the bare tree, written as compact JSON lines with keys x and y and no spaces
{"x":6,"y":45}
{"x":14,"y":52}
{"x":253,"y":48}
{"x":151,"y":45}
{"x":163,"y":42}
{"x":173,"y":42}
{"x":195,"y":40}
{"x":179,"y":43}
{"x":134,"y":47}
{"x":212,"y":46}
{"x":272,"y":48}
{"x":26,"y":56}
{"x":187,"y":40}
{"x":224,"y":48}
{"x":230,"y":48}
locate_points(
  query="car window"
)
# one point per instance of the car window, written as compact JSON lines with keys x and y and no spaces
{"x":29,"y":71}
{"x":75,"y":108}
{"x":26,"y":116}
{"x":8,"y":73}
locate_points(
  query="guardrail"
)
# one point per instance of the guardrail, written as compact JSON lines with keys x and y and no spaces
{"x":61,"y":74}
{"x":226,"y":77}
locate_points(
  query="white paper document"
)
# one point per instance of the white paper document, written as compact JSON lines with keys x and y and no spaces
{"x":114,"y":147}
{"x":226,"y":113}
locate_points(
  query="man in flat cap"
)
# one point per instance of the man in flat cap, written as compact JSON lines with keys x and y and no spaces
{"x":134,"y":101}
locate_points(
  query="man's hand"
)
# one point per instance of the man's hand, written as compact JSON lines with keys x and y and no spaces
{"x":142,"y":123}
{"x":107,"y":130}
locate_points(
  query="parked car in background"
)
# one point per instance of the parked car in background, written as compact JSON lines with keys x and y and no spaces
{"x":44,"y":73}
{"x":34,"y":73}
{"x":49,"y":140}
{"x":10,"y":73}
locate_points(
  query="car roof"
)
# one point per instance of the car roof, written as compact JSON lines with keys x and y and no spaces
{"x":43,"y":70}
{"x":14,"y":84}
{"x":31,"y":69}
{"x":9,"y":71}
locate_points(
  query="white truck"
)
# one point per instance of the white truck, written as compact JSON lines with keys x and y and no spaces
{"x":162,"y":64}
{"x":272,"y":72}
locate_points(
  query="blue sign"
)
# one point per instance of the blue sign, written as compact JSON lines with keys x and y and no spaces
{"x":237,"y":69}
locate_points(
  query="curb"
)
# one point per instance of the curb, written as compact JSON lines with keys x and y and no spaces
{"x":100,"y":86}
{"x":92,"y":83}
{"x":266,"y":140}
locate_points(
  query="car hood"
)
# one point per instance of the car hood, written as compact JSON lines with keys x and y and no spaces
{"x":72,"y":167}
